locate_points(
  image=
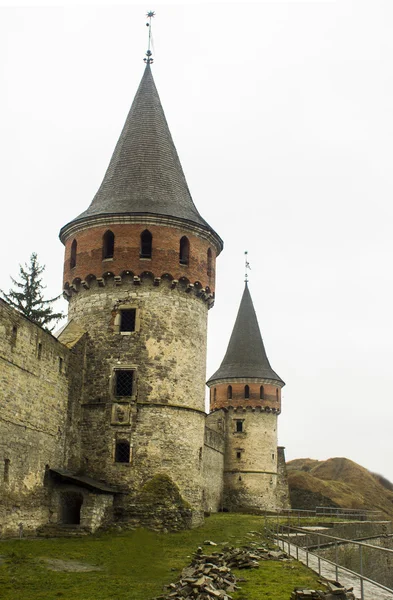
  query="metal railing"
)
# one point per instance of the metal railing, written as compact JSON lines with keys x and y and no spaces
{"x":294,"y":539}
{"x":332,"y":512}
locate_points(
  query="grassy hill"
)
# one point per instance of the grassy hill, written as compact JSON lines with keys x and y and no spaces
{"x":338,"y":482}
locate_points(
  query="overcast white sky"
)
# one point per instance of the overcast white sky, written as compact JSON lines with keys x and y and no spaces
{"x":282,"y":114}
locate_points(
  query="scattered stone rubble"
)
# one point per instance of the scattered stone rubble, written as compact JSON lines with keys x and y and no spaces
{"x":335,"y":592}
{"x":210,"y":577}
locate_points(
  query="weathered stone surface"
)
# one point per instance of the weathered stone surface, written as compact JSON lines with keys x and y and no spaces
{"x":40,"y":382}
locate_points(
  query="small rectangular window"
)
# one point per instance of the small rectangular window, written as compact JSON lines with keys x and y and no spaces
{"x":239,"y":426}
{"x":124,"y":382}
{"x":127,"y":319}
{"x":122,"y":451}
{"x":238,"y":454}
{"x":6,"y":470}
{"x":60,"y":364}
{"x":39,"y":351}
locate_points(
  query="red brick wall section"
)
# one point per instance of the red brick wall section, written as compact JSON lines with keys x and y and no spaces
{"x":165,"y":254}
{"x":219,"y":399}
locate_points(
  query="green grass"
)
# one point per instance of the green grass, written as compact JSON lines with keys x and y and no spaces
{"x":136,"y":564}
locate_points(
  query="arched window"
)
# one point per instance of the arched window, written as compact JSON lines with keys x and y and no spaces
{"x":209,"y":262}
{"x":184,"y":252}
{"x":108,"y":244}
{"x":261,"y":393}
{"x":146,"y":244}
{"x":246,"y":391}
{"x":229,"y":392}
{"x":277,"y":394}
{"x":73,"y":254}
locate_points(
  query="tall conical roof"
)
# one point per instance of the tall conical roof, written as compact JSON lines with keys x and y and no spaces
{"x":246,"y":354}
{"x":145,"y":175}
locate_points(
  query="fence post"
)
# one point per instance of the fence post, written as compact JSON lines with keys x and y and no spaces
{"x":297,"y":547}
{"x":319,"y":559}
{"x":361,"y":572}
{"x":336,"y":558}
{"x":306,"y":549}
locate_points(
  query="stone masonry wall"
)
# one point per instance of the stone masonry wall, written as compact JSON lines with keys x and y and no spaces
{"x":213,"y":469}
{"x":163,"y":419}
{"x":283,"y":497}
{"x":34,"y":394}
{"x":250,"y":460}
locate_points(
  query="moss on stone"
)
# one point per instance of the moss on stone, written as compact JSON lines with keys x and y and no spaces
{"x":160,"y":490}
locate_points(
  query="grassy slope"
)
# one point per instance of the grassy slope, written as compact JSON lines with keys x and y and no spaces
{"x":137,"y":564}
{"x":344,"y":482}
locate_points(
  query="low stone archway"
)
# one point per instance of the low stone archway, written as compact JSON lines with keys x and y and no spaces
{"x":70,"y":505}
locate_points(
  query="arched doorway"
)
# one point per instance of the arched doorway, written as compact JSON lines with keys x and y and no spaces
{"x":71,"y":504}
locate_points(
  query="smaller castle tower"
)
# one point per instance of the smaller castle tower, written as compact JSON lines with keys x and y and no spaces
{"x":245,"y":400}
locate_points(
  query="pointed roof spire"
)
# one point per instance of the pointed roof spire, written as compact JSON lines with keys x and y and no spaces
{"x":246,"y":355}
{"x":145,"y":176}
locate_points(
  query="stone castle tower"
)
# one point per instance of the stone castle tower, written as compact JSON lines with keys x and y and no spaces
{"x":139,"y":273}
{"x":245,"y":400}
{"x":105,"y":422}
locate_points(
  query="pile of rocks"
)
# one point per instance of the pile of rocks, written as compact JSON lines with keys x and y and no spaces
{"x":210,"y":576}
{"x":335,"y":592}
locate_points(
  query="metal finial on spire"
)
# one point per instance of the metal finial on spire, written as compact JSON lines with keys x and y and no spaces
{"x":149,"y":59}
{"x":246,"y":266}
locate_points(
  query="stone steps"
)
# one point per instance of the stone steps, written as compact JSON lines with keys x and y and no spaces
{"x":60,"y":530}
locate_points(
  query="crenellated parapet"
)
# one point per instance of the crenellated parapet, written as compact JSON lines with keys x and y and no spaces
{"x":129,"y":279}
{"x":239,"y":410}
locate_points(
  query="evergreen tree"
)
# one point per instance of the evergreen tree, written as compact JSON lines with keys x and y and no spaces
{"x":27,"y":295}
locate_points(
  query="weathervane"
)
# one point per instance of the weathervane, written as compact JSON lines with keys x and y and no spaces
{"x":246,"y":266}
{"x":149,"y":59}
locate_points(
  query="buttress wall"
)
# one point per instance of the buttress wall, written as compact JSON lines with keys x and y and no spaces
{"x":34,"y":399}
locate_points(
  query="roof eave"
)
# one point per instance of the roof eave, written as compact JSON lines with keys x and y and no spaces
{"x":95,"y":220}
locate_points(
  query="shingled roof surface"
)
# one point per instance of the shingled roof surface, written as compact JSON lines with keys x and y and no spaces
{"x":145,"y":175}
{"x":246,"y":355}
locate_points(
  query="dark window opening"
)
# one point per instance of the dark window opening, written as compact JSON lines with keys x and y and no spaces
{"x":74,"y":246}
{"x":246,"y":391}
{"x":146,"y":244}
{"x":240,"y":477}
{"x":122,"y":452}
{"x":272,"y":456}
{"x":71,"y":504}
{"x":108,"y":244}
{"x":209,"y":262}
{"x":238,"y":454}
{"x":14,"y":334}
{"x":6,"y":470}
{"x":39,"y":351}
{"x":215,"y":394}
{"x":127,"y":320}
{"x":184,"y":253}
{"x":124,"y":383}
{"x":277,"y":394}
{"x":229,"y":392}
{"x":261,"y":393}
{"x":239,"y":426}
{"x":60,"y":364}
